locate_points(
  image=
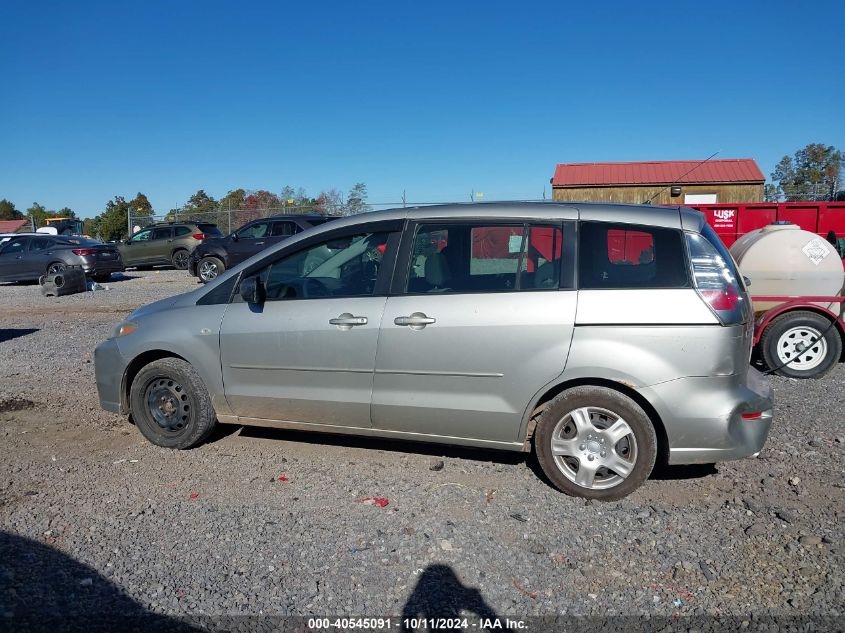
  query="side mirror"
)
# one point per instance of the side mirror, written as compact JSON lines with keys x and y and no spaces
{"x":746,"y":281}
{"x":252,"y":290}
{"x":235,"y":237}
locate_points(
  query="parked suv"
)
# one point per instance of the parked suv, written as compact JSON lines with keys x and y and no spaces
{"x":166,"y":243}
{"x":602,"y":337}
{"x":213,"y":257}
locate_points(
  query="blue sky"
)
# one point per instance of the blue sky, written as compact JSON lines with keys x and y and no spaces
{"x":436,"y":98}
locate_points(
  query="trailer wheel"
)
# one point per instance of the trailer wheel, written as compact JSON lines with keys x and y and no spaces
{"x":791,"y":343}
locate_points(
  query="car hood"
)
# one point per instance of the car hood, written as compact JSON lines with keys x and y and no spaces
{"x":155,"y":306}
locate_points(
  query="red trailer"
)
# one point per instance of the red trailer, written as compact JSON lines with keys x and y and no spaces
{"x":732,"y":221}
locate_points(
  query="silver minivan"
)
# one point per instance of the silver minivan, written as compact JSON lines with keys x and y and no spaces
{"x":602,"y":337}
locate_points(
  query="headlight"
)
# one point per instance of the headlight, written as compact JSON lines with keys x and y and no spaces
{"x":122,"y":329}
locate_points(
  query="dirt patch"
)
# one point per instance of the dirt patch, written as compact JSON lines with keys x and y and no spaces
{"x":15,"y":404}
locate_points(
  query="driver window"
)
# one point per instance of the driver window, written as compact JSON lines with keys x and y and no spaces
{"x":341,"y":267}
{"x":254,"y":231}
{"x":142,"y":236}
{"x":14,"y":247}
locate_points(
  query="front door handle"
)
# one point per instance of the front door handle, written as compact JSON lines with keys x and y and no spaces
{"x":259,"y":243}
{"x":347,"y":321}
{"x":416,"y":320}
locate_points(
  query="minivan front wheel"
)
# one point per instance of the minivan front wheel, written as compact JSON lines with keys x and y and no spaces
{"x":171,"y":405}
{"x":596,"y":443}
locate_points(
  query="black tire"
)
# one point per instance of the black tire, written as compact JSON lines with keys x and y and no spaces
{"x":207,"y":265}
{"x":192,"y":417}
{"x":180,"y":259}
{"x":787,"y":330}
{"x":55,"y":268}
{"x":557,"y":422}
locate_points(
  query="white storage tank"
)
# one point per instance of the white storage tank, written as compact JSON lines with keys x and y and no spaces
{"x":784,"y":260}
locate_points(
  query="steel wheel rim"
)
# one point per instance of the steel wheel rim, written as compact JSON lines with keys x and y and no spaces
{"x":168,"y":404}
{"x":594,"y":448}
{"x":208,"y":270}
{"x":794,"y":351}
{"x":55,"y":269}
{"x":181,"y":259}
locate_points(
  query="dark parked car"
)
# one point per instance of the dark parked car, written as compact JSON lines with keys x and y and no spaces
{"x":166,"y":243}
{"x":212,"y":257}
{"x":27,"y":257}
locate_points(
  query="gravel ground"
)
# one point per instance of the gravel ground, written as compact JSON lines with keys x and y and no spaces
{"x":97,"y":521}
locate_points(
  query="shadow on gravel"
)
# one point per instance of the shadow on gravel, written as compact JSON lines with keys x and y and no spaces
{"x":42,"y":589}
{"x":9,"y":334}
{"x":117,"y":277}
{"x":369,"y":443}
{"x":440,"y":595}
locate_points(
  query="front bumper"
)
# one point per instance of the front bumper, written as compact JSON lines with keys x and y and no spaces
{"x":703,"y":416}
{"x":109,"y":369}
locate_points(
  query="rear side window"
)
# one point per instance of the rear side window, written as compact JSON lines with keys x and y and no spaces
{"x":464,"y":258}
{"x":284,"y":229}
{"x":162,"y":234}
{"x":631,"y":256}
{"x":40,"y":243}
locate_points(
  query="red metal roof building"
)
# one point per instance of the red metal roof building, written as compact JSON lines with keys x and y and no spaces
{"x":12,"y":226}
{"x":663,"y":182}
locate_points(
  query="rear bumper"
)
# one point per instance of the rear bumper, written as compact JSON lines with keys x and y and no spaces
{"x":109,"y":367}
{"x":95,"y":266}
{"x":703,"y":416}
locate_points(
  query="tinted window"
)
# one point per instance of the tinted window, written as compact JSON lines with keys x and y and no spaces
{"x":254,"y":231}
{"x":162,"y":234}
{"x":627,"y":256}
{"x":342,"y":267}
{"x":16,"y":246}
{"x":183,"y":230}
{"x":319,"y":221}
{"x":210,"y":229}
{"x":77,"y":241}
{"x":40,"y":243}
{"x":479,"y":258}
{"x":284,"y":229}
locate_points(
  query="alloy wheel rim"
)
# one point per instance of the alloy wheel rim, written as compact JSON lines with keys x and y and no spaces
{"x":181,"y":259}
{"x":168,"y":404}
{"x":208,"y":270}
{"x":594,"y":448}
{"x":794,"y":349}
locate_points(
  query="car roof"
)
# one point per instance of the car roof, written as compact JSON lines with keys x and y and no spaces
{"x":650,"y":215}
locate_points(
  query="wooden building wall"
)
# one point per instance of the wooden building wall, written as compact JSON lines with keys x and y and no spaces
{"x":728,"y":193}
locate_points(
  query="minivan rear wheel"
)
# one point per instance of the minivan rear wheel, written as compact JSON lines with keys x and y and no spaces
{"x":171,"y":405}
{"x":595,"y":442}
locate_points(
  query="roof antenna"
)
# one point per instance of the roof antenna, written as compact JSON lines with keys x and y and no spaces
{"x":681,"y":177}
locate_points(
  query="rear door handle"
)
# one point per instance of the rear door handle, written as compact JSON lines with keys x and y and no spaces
{"x":416,"y":320}
{"x":347,"y":321}
{"x":259,"y":243}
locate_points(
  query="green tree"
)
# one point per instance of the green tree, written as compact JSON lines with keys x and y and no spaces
{"x":111,"y":224}
{"x":201,"y":202}
{"x":8,"y":211}
{"x":37,"y":214}
{"x":356,"y":201}
{"x":812,"y":173}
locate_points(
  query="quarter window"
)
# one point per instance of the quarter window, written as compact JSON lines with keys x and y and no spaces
{"x":341,"y":267}
{"x":463,"y":258}
{"x":625,"y":256}
{"x":183,"y":230}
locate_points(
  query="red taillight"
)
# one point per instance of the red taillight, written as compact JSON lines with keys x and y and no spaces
{"x":198,"y":236}
{"x":752,"y":416}
{"x":716,"y":280}
{"x":726,"y":299}
{"x":83,"y":251}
